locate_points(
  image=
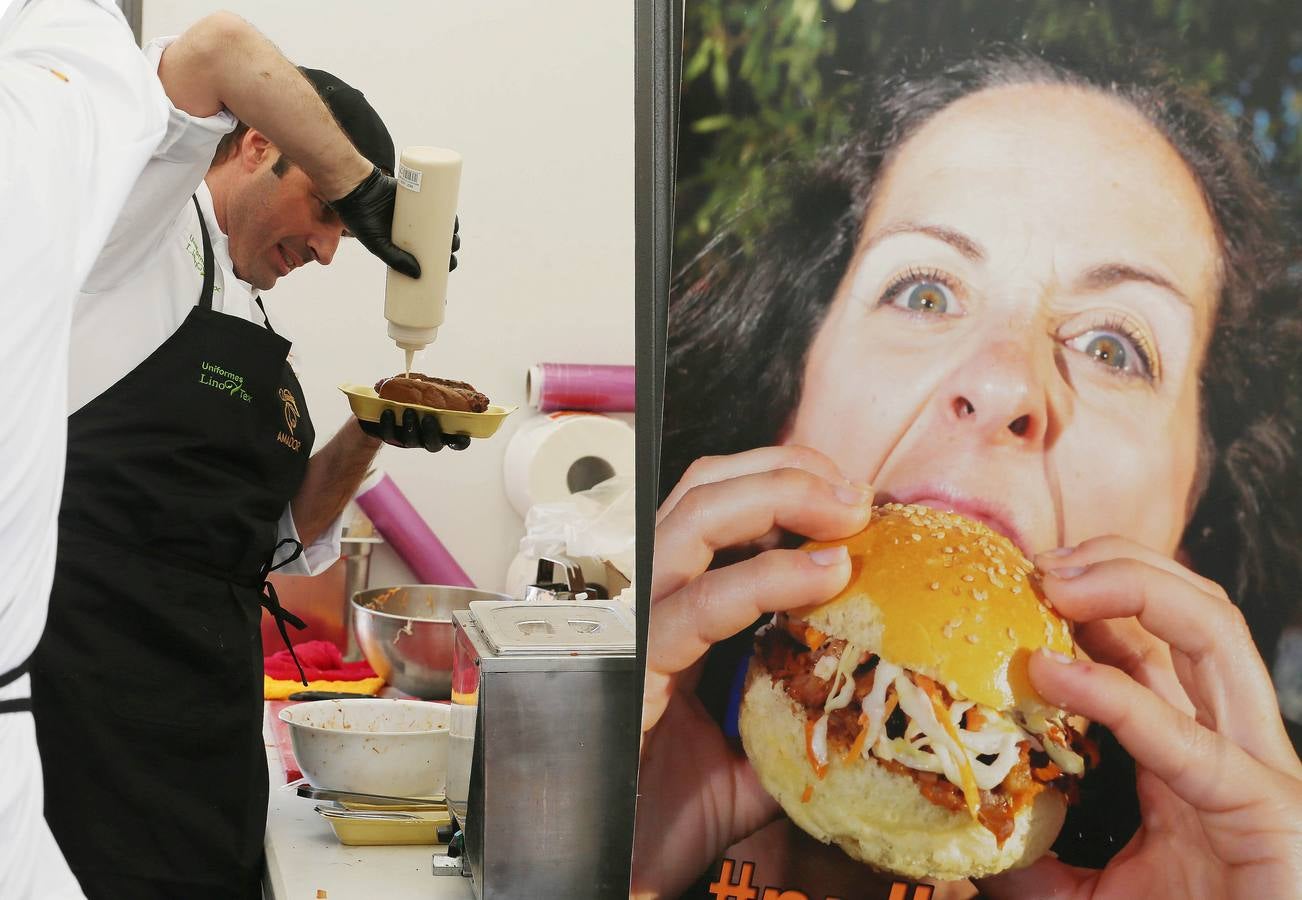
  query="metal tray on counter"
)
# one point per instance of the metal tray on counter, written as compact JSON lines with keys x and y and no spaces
{"x":390,"y":827}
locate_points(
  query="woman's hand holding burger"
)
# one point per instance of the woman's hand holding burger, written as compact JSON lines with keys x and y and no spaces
{"x":1172,"y":671}
{"x":1177,"y":678}
{"x":699,"y":796}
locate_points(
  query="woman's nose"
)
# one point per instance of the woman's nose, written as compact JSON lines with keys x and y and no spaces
{"x":1003,"y":394}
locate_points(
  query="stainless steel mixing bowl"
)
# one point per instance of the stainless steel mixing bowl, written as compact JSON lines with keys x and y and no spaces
{"x":406,"y":632}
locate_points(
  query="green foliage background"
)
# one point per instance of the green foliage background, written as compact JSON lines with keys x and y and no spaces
{"x":767,"y":80}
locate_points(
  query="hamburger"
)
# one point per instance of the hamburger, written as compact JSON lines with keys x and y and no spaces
{"x":897,"y":720}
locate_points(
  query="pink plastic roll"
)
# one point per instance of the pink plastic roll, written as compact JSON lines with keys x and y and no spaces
{"x":554,"y":386}
{"x":406,"y":531}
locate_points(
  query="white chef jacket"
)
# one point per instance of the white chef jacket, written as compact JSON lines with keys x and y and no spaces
{"x":80,"y":113}
{"x":148,"y":278}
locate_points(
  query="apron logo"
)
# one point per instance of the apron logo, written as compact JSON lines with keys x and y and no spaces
{"x":196,"y":254}
{"x":291,"y":409}
{"x":291,"y":420}
{"x":217,"y":378}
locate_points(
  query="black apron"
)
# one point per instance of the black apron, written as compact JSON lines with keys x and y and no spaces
{"x":147,"y":684}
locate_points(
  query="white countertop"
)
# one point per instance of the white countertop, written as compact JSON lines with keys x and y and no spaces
{"x":306,"y":862}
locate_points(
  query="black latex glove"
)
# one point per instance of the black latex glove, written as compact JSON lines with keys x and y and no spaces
{"x":367,"y":213}
{"x":415,"y":431}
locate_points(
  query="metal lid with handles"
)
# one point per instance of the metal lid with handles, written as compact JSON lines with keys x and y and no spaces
{"x":531,"y":627}
{"x":549,"y":586}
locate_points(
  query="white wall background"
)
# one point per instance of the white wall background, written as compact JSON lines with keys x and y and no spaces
{"x":538,"y":99}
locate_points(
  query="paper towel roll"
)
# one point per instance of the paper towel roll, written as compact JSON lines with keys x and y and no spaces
{"x":551,"y":457}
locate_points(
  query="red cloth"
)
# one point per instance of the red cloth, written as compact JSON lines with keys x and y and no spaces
{"x":321,"y":661}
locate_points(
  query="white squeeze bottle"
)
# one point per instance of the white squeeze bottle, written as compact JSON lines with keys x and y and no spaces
{"x":423,"y":213}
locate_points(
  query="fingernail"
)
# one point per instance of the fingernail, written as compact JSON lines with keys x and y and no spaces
{"x":1061,"y":551}
{"x":855,"y":493}
{"x":1056,"y":656}
{"x":1067,"y":571}
{"x":829,"y":556}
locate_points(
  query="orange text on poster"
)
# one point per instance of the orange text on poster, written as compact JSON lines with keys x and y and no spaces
{"x":735,"y":882}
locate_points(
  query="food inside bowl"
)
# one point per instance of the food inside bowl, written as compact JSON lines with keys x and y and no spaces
{"x":393,"y":718}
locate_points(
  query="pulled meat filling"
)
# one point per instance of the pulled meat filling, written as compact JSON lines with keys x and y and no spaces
{"x":790,"y":659}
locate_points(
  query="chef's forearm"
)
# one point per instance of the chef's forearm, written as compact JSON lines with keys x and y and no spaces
{"x":333,"y":474}
{"x":223,"y":61}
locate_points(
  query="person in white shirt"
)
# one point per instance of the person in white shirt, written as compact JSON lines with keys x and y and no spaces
{"x":80,"y":111}
{"x":189,"y":472}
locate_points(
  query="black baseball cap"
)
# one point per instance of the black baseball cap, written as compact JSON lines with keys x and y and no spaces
{"x":355,"y":116}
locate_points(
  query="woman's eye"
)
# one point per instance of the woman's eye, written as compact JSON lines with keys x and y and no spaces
{"x":924,"y":296}
{"x":1114,"y":351}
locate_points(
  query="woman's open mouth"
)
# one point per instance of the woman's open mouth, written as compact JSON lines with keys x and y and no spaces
{"x":945,"y":499}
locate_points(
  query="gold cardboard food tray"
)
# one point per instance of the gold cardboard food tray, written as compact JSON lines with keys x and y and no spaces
{"x":423,"y":829}
{"x":368,"y":406}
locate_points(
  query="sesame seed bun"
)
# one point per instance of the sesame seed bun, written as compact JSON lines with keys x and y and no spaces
{"x":946,"y":597}
{"x":943,"y":597}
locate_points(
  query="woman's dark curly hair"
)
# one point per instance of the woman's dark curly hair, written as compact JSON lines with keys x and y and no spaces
{"x":744,"y":312}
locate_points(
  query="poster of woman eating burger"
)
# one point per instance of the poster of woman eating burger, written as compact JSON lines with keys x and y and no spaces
{"x":975,"y":298}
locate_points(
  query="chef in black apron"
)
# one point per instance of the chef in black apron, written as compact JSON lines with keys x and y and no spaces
{"x":147,"y":685}
{"x":176,"y":478}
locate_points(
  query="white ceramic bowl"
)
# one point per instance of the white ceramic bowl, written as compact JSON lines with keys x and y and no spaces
{"x":371,"y":745}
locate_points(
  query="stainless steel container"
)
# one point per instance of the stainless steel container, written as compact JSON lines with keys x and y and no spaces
{"x":542,"y":760}
{"x":405,"y":632}
{"x":355,"y":551}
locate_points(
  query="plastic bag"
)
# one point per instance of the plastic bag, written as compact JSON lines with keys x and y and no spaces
{"x":599,"y":523}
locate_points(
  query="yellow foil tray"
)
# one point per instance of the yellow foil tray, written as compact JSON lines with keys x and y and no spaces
{"x":368,"y":406}
{"x":427,"y":804}
{"x":383,"y":833}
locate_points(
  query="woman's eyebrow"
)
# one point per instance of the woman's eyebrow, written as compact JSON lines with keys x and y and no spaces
{"x":1109,"y":275}
{"x":956,"y":239}
{"x":1098,"y":278}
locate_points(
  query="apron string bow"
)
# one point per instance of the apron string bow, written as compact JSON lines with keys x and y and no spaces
{"x":17,"y":671}
{"x":271,"y":602}
{"x":19,"y":704}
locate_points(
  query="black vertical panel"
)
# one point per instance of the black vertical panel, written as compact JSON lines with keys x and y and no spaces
{"x":657,"y":66}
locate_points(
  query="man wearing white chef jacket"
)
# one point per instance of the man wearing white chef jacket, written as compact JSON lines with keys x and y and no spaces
{"x":80,"y":112}
{"x":188,"y":472}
